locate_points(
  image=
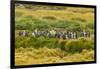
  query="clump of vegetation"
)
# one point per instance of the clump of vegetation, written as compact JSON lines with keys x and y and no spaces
{"x":74,"y":46}
{"x":87,"y":44}
{"x":79,"y":45}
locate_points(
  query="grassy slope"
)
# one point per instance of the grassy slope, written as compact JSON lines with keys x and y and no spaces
{"x":67,"y":19}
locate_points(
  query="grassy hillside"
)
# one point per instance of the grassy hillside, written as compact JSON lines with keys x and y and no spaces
{"x":33,"y":50}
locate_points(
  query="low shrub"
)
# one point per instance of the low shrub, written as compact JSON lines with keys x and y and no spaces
{"x":78,"y":45}
{"x":87,"y":43}
{"x":74,"y":46}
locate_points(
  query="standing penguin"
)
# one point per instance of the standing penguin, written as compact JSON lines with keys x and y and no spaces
{"x":24,"y":33}
{"x":88,"y":34}
{"x":64,"y":36}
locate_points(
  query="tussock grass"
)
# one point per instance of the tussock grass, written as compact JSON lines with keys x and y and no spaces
{"x":25,"y":56}
{"x":70,"y":45}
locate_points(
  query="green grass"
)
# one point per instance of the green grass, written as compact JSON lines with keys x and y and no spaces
{"x":71,"y":45}
{"x":44,"y":19}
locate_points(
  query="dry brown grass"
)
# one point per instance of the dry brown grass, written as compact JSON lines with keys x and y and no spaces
{"x":27,"y":56}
